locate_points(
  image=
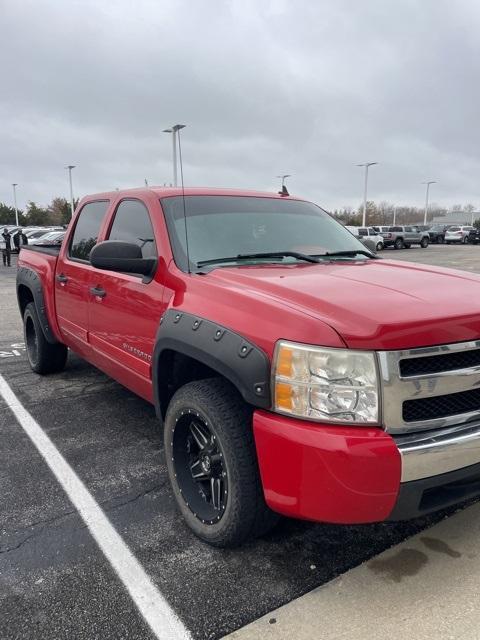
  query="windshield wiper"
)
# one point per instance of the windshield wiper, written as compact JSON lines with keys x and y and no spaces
{"x":254,"y":256}
{"x":334,"y":254}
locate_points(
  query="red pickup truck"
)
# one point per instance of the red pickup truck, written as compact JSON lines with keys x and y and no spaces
{"x":293,"y":372}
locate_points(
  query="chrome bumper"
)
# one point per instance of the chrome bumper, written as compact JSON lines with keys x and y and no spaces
{"x":436,"y":452}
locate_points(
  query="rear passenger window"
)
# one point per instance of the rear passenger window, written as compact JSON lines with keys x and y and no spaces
{"x":132,"y":224}
{"x":86,"y":230}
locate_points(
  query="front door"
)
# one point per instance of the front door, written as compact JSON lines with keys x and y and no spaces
{"x":72,"y":278}
{"x":124,"y":310}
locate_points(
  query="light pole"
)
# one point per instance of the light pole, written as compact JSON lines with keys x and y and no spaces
{"x":15,"y":185}
{"x":173,"y":130}
{"x":394,"y":215}
{"x":428,"y":183}
{"x":366,"y":165}
{"x":285,"y":175}
{"x":70,"y":167}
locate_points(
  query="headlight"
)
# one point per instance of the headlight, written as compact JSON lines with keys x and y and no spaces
{"x":330,"y":385}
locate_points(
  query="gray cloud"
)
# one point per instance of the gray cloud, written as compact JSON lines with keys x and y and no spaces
{"x":266,"y":87}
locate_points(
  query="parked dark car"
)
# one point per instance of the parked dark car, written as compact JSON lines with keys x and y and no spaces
{"x":437,"y":233}
{"x":474,"y":236}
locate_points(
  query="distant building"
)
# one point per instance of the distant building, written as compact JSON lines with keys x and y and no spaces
{"x":457,"y":218}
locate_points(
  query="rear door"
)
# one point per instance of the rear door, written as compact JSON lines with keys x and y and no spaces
{"x":72,"y":276}
{"x":124,"y":309}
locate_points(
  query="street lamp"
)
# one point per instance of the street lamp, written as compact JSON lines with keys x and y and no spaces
{"x":366,"y":165}
{"x":285,"y":175}
{"x":15,"y":185}
{"x":428,"y":183}
{"x":174,"y":130}
{"x":70,"y":167}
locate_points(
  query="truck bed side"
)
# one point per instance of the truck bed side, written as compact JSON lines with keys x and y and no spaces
{"x":36,"y":282}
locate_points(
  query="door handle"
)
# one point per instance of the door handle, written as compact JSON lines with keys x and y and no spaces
{"x":98,"y":291}
{"x":61,"y":278}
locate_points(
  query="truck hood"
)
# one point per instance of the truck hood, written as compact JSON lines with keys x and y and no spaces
{"x":376,"y":304}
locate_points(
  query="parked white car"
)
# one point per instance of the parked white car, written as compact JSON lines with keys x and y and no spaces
{"x":368,"y":236}
{"x":458,"y":234}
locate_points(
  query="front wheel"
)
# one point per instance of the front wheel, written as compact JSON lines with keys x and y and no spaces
{"x":42,"y":356}
{"x":398,"y":244}
{"x":379,"y":246}
{"x":440,"y":240}
{"x":212,"y":464}
{"x":424,"y":243}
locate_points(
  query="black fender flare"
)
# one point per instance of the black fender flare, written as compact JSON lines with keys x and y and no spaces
{"x":30,"y":279}
{"x":244,"y":364}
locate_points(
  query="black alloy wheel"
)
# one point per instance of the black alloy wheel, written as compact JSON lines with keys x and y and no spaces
{"x":212,"y":463}
{"x":31,"y":341}
{"x":43,"y":356}
{"x":200,"y":468}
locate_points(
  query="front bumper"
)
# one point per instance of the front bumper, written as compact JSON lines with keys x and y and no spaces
{"x":353,"y":475}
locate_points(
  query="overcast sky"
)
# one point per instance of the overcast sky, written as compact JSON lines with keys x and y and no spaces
{"x":305,"y":87}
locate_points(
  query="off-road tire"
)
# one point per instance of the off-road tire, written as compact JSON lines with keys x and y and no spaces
{"x":218,"y":404}
{"x":424,"y":243}
{"x":399,"y":244}
{"x":43,"y":357}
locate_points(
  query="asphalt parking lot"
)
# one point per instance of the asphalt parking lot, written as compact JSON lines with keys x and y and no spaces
{"x":55,"y":582}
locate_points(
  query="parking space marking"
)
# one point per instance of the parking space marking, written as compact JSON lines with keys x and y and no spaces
{"x":161,"y":619}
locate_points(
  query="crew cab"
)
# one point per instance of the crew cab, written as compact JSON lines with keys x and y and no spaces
{"x":404,"y":237}
{"x":247,"y":320}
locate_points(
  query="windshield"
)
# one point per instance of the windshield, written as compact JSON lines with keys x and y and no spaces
{"x":224,"y":226}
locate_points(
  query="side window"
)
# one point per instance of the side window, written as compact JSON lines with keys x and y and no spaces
{"x":132,"y":224}
{"x":408,"y":228}
{"x":86,"y":230}
{"x":363,"y":232}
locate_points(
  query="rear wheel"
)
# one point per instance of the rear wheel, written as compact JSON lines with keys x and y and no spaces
{"x":42,"y":356}
{"x":440,"y":239}
{"x":424,"y":243}
{"x":399,"y":244}
{"x":212,"y":464}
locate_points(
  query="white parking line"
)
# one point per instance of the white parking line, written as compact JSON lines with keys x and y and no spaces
{"x":152,"y":605}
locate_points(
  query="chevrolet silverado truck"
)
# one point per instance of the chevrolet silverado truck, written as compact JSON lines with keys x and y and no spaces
{"x":293,"y":372}
{"x":404,"y":237}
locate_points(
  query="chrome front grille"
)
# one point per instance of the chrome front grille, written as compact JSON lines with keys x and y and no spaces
{"x":421,"y":390}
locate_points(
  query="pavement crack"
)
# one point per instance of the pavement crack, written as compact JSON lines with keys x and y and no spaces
{"x":133,"y":498}
{"x":20,"y":544}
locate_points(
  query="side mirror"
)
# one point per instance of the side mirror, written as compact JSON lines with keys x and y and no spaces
{"x":126,"y":257}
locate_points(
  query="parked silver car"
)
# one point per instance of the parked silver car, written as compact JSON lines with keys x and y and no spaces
{"x":458,"y":234}
{"x":370,"y":238}
{"x":402,"y":237}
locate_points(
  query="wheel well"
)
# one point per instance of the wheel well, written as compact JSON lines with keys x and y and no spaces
{"x":175,"y":370}
{"x":25,"y":296}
